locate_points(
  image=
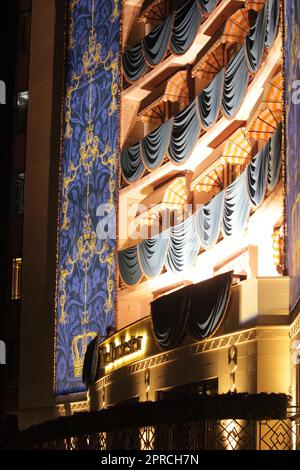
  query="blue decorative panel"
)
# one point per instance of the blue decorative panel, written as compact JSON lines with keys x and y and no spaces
{"x":88,"y":186}
{"x":292,"y":106}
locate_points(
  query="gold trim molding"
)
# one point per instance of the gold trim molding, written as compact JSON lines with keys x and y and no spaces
{"x":295,"y":326}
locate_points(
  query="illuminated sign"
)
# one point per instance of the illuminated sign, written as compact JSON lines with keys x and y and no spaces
{"x":124,"y":349}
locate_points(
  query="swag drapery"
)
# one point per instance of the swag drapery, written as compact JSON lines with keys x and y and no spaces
{"x":197,"y":308}
{"x":228,"y":212}
{"x":177,"y":137}
{"x":177,"y":33}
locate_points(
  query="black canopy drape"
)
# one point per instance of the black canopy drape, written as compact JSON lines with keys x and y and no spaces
{"x":131,"y":163}
{"x":209,"y":300}
{"x":155,"y":44}
{"x":169,"y":314}
{"x":90,"y":363}
{"x":185,"y":132}
{"x":186,"y":23}
{"x":199,"y":308}
{"x":134,"y":65}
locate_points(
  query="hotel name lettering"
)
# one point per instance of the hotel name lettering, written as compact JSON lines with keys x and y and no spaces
{"x":125,"y":348}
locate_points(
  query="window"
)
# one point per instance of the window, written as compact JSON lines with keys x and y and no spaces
{"x":22,"y":104}
{"x":19,"y":183}
{"x":24,"y":32}
{"x":182,"y":436}
{"x":16,"y":279}
{"x":204,"y":387}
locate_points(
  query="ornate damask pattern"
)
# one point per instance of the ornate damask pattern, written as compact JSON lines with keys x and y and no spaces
{"x":87,"y":261}
{"x":291,"y":13}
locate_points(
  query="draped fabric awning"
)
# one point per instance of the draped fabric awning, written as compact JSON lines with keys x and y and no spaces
{"x":185,"y":132}
{"x":152,"y":253}
{"x":169,"y":315}
{"x":265,"y":124}
{"x":129,"y":266}
{"x":228,"y":83}
{"x":228,"y":211}
{"x":210,"y":181}
{"x":237,"y":148}
{"x":172,"y":195}
{"x":184,"y":246}
{"x":175,"y":89}
{"x":236,"y":207}
{"x":209,"y":101}
{"x":272,"y":22}
{"x":131,"y":163}
{"x":213,"y":296}
{"x":134,"y":64}
{"x":235,"y":84}
{"x":179,"y":311}
{"x":272,"y":96}
{"x":257,"y":171}
{"x":186,"y":22}
{"x":154,"y":146}
{"x":209,"y":218}
{"x":174,"y":34}
{"x":256,"y":5}
{"x":255,"y":41}
{"x":155,"y":44}
{"x":235,"y":31}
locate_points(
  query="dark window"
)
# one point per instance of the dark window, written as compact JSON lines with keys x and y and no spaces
{"x":19,"y":183}
{"x":24,"y":32}
{"x":185,"y":435}
{"x":22,"y":104}
{"x":204,"y":387}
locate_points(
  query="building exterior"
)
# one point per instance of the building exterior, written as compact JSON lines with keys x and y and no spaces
{"x":196,"y":148}
{"x":199,"y":168}
{"x":12,"y":211}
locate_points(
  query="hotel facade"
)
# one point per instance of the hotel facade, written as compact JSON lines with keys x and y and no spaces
{"x":161,"y":231}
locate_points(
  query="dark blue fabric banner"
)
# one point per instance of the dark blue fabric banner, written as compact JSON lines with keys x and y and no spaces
{"x":292,"y":106}
{"x":87,"y":243}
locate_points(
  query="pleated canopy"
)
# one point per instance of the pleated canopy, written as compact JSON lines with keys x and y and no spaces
{"x":237,"y":27}
{"x":235,"y":31}
{"x":212,"y":63}
{"x":272,"y":97}
{"x":255,"y":5}
{"x":209,"y":181}
{"x":264,"y":124}
{"x":177,"y":248}
{"x":237,"y":148}
{"x":174,"y":90}
{"x":172,"y":195}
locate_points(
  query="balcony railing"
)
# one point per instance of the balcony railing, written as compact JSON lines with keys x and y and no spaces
{"x":217,"y":422}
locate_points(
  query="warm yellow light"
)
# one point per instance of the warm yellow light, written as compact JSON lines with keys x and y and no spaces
{"x":147,"y":435}
{"x":231,"y":434}
{"x":129,"y":358}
